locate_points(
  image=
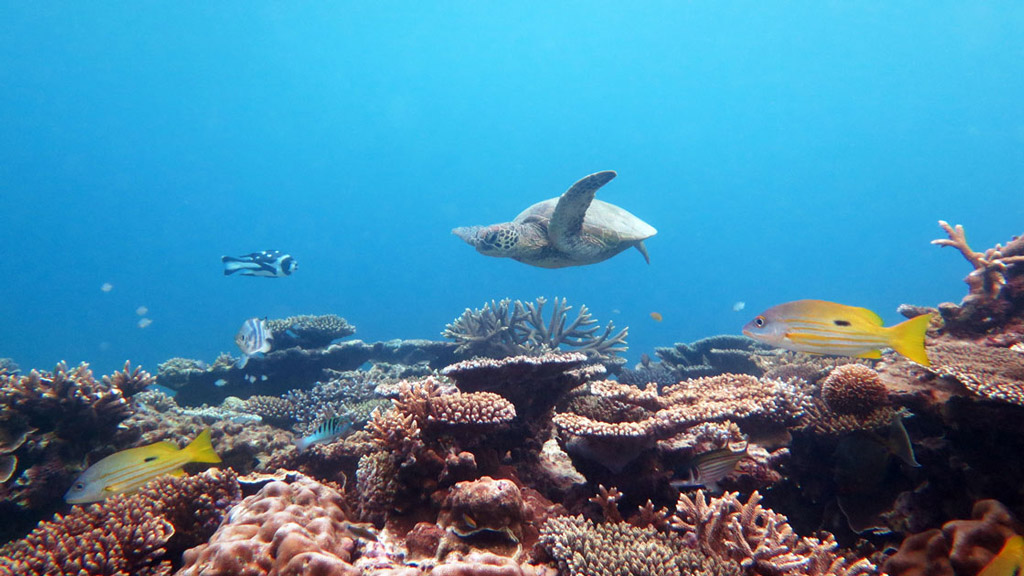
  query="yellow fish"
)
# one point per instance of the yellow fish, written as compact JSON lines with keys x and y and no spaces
{"x":1009,"y":560}
{"x":656,"y":316}
{"x":128,"y":470}
{"x":820,"y":327}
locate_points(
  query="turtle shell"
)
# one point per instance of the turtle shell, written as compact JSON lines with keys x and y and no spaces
{"x":602,"y":220}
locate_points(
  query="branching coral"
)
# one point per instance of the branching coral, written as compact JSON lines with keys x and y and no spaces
{"x":612,"y":549}
{"x":759,"y":539}
{"x":507,"y":328}
{"x":995,"y":285}
{"x":126,"y":535}
{"x":309,"y":331}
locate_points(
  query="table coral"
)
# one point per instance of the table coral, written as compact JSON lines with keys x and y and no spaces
{"x":989,"y":372}
{"x":532,"y":383}
{"x":126,"y":535}
{"x":287,"y":528}
{"x":309,"y":331}
{"x":712,"y":356}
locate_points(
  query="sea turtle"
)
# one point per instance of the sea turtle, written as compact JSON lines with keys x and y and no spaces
{"x":571,"y":230}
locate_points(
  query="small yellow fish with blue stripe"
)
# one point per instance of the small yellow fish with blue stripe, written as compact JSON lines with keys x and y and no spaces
{"x":820,"y":327}
{"x":128,"y":470}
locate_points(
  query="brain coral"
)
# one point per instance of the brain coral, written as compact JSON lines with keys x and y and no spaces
{"x":285,"y":528}
{"x":854,"y":389}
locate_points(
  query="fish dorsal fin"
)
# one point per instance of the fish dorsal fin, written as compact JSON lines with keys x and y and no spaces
{"x":868,"y":315}
{"x":164,"y":446}
{"x":567,"y":219}
{"x":899,"y":442}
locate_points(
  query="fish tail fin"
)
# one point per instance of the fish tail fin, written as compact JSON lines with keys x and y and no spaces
{"x":907,"y":338}
{"x":201,"y":449}
{"x":231,"y":265}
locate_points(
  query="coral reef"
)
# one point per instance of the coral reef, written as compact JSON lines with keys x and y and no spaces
{"x":533,"y":383}
{"x":49,"y":423}
{"x":138,"y":534}
{"x":759,"y":539}
{"x":996,"y":286}
{"x":309,"y":331}
{"x":960,"y":547}
{"x":854,"y":389}
{"x":712,"y":356}
{"x":989,"y":372}
{"x":614,"y":548}
{"x":507,"y":328}
{"x":294,"y":527}
{"x":281,"y":370}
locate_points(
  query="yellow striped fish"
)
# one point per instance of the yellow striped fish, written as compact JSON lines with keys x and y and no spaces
{"x":1009,"y":561}
{"x":128,"y":470}
{"x":820,"y":327}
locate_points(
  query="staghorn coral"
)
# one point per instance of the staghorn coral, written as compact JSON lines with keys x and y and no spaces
{"x":961,"y":547}
{"x":989,"y":372}
{"x":472,"y":408}
{"x":854,"y":389}
{"x":297,"y":526}
{"x":126,"y":535}
{"x":759,"y":539}
{"x":615,"y":548}
{"x":532,"y":383}
{"x":507,"y":328}
{"x":128,"y":381}
{"x":712,"y":356}
{"x":996,"y":285}
{"x":309,"y":331}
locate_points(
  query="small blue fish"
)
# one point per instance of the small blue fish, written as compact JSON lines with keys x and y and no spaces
{"x":328,"y":430}
{"x":267,"y":264}
{"x":253,"y":338}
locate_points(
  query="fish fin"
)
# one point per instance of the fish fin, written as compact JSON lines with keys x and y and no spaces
{"x":1008,"y":561}
{"x":242,"y":362}
{"x":871,"y":316}
{"x":165,"y":446}
{"x":899,"y":443}
{"x":177,"y":473}
{"x":907,"y":338}
{"x":201,"y":449}
{"x":643,"y":250}
{"x":875,"y":354}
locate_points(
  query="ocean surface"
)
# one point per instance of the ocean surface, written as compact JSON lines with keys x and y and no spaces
{"x":782,"y":150}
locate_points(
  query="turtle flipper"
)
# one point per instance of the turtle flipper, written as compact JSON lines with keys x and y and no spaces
{"x":643,"y":250}
{"x":567,"y":220}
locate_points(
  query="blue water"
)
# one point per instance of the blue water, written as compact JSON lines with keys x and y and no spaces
{"x":783,"y":151}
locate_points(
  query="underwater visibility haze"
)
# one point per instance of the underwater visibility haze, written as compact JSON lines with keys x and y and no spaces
{"x":218,"y":192}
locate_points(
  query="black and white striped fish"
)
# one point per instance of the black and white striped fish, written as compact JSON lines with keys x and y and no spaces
{"x":268,"y":264}
{"x":708,"y":468}
{"x":253,"y":338}
{"x":328,"y":430}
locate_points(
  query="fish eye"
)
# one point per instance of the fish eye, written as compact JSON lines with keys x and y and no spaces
{"x":79,"y":486}
{"x":759,"y":321}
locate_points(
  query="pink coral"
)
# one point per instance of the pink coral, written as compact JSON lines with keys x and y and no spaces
{"x":284,"y":529}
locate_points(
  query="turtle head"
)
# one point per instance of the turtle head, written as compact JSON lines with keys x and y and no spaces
{"x":498,"y":240}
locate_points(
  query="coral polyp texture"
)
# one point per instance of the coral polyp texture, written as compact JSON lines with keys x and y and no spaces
{"x":309,"y":331}
{"x":507,"y":328}
{"x":126,"y":535}
{"x":293,"y":527}
{"x":854,"y":389}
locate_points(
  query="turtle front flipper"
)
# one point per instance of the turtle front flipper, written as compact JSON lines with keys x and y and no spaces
{"x":566,"y":225}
